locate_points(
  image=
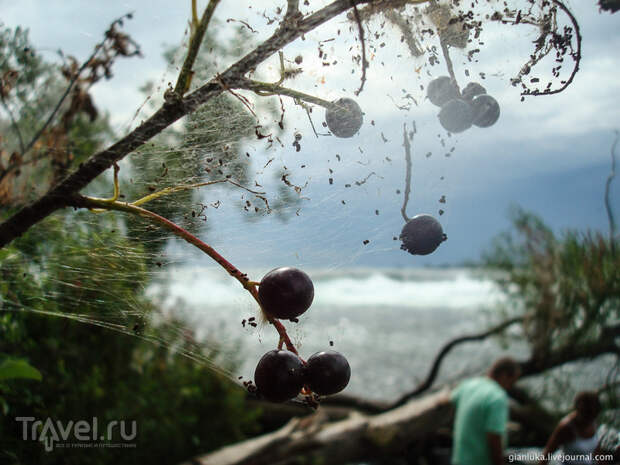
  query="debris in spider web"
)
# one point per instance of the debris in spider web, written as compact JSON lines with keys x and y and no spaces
{"x":259,"y":135}
{"x":363,"y":181}
{"x":254,"y":31}
{"x":297,"y":189}
{"x":405,"y":107}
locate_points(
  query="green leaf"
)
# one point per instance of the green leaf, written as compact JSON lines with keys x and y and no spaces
{"x":14,"y":368}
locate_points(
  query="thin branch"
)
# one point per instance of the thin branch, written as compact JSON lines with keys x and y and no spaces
{"x":9,"y":169}
{"x":407,"y":146}
{"x":62,"y":99}
{"x":265,"y":89}
{"x":173,"y":189}
{"x":430,"y":378}
{"x":610,"y":214}
{"x":241,"y":98}
{"x":59,"y":196}
{"x":74,"y":78}
{"x":576,"y":56}
{"x":292,"y":8}
{"x":605,"y":344}
{"x":360,"y":28}
{"x":14,"y":125}
{"x":198,"y":32}
{"x":446,"y":55}
{"x":80,"y":201}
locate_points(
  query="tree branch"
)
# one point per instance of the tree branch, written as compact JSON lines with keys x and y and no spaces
{"x":292,"y":9}
{"x":430,"y":378}
{"x":198,"y":32}
{"x":605,"y":344}
{"x":265,"y":89}
{"x":576,"y":55}
{"x":360,"y":29}
{"x":170,"y":112}
{"x":73,"y":80}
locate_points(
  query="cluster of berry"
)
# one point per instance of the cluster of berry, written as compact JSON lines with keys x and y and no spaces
{"x":459,"y":110}
{"x":280,"y":375}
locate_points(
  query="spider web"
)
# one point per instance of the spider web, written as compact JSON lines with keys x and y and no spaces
{"x":283,"y":192}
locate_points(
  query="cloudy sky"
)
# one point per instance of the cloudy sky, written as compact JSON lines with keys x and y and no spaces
{"x":549,"y":154}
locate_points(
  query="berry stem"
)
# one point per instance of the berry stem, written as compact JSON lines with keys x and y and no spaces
{"x":109,"y":204}
{"x":407,"y":146}
{"x":446,"y":55}
{"x":266,"y":89}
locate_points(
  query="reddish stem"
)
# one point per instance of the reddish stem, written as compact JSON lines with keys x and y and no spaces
{"x":188,"y":237}
{"x":232,"y":270}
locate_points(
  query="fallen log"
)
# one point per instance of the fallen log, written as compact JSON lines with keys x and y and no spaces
{"x":360,"y":436}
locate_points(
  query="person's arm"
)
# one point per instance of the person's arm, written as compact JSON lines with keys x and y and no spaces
{"x":496,"y":451}
{"x":557,"y":438}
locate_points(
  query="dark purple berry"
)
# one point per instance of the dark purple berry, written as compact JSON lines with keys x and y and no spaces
{"x":422,"y":235}
{"x":441,"y":89}
{"x":486,"y":111}
{"x":327,"y":372}
{"x":473,"y":89}
{"x":456,"y":115}
{"x":279,"y":375}
{"x":286,"y":292}
{"x":345,"y":119}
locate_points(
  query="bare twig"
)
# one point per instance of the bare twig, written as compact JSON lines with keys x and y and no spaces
{"x":198,"y":32}
{"x":610,"y":214}
{"x":9,"y":169}
{"x":241,"y":98}
{"x":407,"y":146}
{"x":266,"y":89}
{"x":69,"y":88}
{"x":73,"y":80}
{"x":360,"y":28}
{"x":576,"y":55}
{"x":14,"y":125}
{"x":446,"y":55}
{"x":292,"y":8}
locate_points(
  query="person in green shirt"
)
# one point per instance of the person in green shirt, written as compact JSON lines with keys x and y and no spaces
{"x":482,"y":414}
